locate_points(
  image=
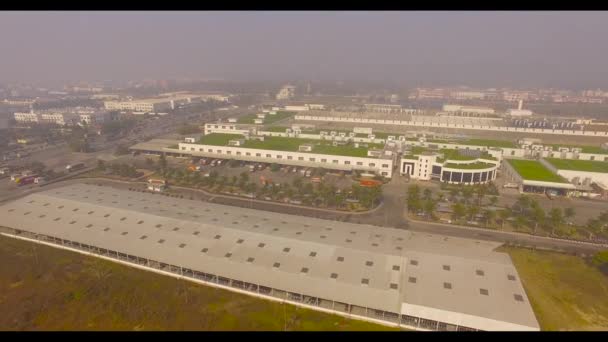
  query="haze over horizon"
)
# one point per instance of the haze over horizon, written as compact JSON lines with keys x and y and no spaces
{"x":486,"y":49}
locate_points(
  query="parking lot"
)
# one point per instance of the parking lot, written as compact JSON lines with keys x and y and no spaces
{"x":263,"y":172}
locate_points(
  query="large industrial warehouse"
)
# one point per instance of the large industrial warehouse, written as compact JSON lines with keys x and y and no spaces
{"x":386,"y":275}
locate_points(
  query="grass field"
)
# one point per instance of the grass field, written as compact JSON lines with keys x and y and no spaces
{"x":565,"y":292}
{"x":534,"y":170}
{"x":44,"y":288}
{"x":579,"y":165}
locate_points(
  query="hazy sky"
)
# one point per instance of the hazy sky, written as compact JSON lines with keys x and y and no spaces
{"x":567,"y":49}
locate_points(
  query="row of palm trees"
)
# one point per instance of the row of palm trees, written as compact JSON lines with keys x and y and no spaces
{"x":319,"y":195}
{"x":468,"y":205}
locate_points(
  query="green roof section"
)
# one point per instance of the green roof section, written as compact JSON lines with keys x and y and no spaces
{"x":469,"y":166}
{"x":475,"y":142}
{"x":279,"y":129}
{"x":489,"y":143}
{"x":535,"y":171}
{"x":291,"y":145}
{"x":579,"y":165}
{"x":584,"y":149}
{"x":270,"y":118}
{"x":218,"y":139}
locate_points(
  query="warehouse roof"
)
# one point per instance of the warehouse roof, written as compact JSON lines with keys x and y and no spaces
{"x":362,"y":265}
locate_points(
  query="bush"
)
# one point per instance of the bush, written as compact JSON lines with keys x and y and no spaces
{"x":600,"y":258}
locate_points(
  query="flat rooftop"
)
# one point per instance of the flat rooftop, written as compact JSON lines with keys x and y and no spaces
{"x":579,"y":165}
{"x":535,"y":171}
{"x":291,"y":145}
{"x":453,"y":280}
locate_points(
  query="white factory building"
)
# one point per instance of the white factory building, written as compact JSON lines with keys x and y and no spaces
{"x":452,"y":108}
{"x":389,"y":276}
{"x":378,"y":162}
{"x":158,"y":105}
{"x":286,"y":93}
{"x":70,"y":116}
{"x":433,"y":166}
{"x":386,"y":108}
{"x":519,"y":111}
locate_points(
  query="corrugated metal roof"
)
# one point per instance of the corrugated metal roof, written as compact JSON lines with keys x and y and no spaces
{"x":368,"y":268}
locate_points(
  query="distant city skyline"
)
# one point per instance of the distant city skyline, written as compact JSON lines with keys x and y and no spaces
{"x":480,"y":49}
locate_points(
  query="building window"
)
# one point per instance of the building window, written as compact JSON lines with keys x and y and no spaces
{"x":247,"y":154}
{"x":300,"y":158}
{"x":258,"y":154}
{"x":335,"y":161}
{"x":359,"y":163}
{"x":210,"y":150}
{"x":268,"y":156}
{"x":312,"y":159}
{"x":238,"y":153}
{"x":385,"y":166}
{"x":323,"y":160}
{"x":372,"y":164}
{"x":279,"y":156}
{"x":289,"y":157}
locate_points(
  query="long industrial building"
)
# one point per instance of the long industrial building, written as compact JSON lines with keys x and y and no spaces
{"x":385,"y":275}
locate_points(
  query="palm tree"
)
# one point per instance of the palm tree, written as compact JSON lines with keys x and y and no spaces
{"x":440,"y":197}
{"x":429,"y":207}
{"x":493,"y":200}
{"x":459,"y":211}
{"x":594,"y":226}
{"x":467,"y":193}
{"x":481,"y":192}
{"x":504,"y":216}
{"x":472,"y":210}
{"x":538,"y":216}
{"x":569,"y":213}
{"x":556,"y":218}
{"x":427,"y":194}
{"x":489,"y":216}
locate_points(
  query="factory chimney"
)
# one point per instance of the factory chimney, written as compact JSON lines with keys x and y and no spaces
{"x":521,"y":104}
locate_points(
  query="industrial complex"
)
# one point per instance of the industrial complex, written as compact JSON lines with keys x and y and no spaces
{"x":386,"y":275}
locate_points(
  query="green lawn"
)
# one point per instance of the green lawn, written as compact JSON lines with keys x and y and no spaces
{"x":218,"y":139}
{"x":565,"y":292}
{"x":534,"y":170}
{"x":579,"y":165}
{"x":44,"y":288}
